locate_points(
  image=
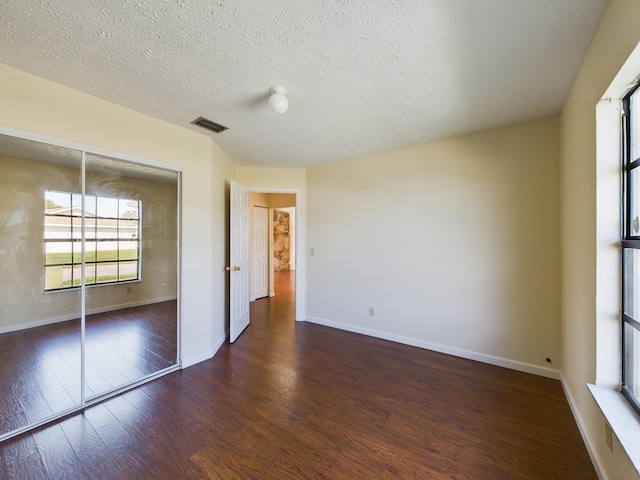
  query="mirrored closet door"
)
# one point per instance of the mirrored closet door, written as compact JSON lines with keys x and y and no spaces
{"x":131,"y":260}
{"x":88,"y":278}
{"x":40,"y":331}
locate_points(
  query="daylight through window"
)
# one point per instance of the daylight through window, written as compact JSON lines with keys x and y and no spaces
{"x":631,"y":248}
{"x":112,"y":240}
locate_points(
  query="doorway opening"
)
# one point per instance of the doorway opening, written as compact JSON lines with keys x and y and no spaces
{"x":242,"y":253}
{"x":273,"y":244}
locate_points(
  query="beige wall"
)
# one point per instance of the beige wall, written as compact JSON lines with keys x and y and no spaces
{"x":36,"y":105}
{"x":22,"y":186}
{"x":454,"y":243}
{"x":282,"y":200}
{"x":271,"y":179}
{"x":617,"y":36}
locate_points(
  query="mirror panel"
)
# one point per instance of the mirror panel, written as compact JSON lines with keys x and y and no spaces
{"x":131,"y":308}
{"x":116,"y":248}
{"x":40,"y":337}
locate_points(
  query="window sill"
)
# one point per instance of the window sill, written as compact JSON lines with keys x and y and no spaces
{"x":622,"y":418}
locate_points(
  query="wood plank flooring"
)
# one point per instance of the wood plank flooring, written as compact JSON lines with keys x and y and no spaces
{"x":40,"y":367}
{"x":300,"y":401}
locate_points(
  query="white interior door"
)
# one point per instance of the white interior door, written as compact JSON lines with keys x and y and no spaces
{"x":239,"y":253}
{"x":260,"y":269}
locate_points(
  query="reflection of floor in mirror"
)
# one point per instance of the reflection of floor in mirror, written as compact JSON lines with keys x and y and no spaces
{"x":40,"y":367}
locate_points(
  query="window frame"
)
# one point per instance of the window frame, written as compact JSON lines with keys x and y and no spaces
{"x":74,"y":239}
{"x":628,"y":241}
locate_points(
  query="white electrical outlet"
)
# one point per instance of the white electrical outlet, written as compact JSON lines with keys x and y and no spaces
{"x":371,"y":311}
{"x":312,"y":252}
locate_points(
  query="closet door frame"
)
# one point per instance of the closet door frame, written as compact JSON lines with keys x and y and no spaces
{"x":130,"y":159}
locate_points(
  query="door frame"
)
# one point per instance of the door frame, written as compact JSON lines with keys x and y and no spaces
{"x":300,"y":247}
{"x":253,"y":240}
{"x":85,"y":400}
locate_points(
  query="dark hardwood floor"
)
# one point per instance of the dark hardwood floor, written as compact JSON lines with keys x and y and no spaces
{"x":300,"y":401}
{"x":40,"y":367}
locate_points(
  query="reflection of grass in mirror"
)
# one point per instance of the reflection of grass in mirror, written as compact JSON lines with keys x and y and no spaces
{"x":53,"y":278}
{"x":58,"y":270}
{"x":101,"y":279}
{"x":58,"y":258}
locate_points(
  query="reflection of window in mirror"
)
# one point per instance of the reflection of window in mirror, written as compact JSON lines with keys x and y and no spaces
{"x":112,"y":240}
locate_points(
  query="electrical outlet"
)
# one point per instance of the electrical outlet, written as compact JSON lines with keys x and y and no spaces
{"x":608,"y":435}
{"x":312,"y":252}
{"x":128,"y":289}
{"x":371,"y":311}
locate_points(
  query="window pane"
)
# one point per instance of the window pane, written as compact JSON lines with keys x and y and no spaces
{"x":128,"y":229}
{"x":107,"y":251}
{"x":128,"y":270}
{"x":634,"y":201}
{"x":115,"y":221}
{"x":128,"y":251}
{"x":90,"y":251}
{"x":632,"y":359}
{"x":107,"y":228}
{"x":107,"y":207}
{"x":57,"y":202}
{"x":129,"y":209}
{"x":76,"y":204}
{"x":57,"y":227}
{"x":89,"y":206}
{"x":632,"y":282}
{"x":106,"y":272}
{"x":77,"y":227}
{"x":635,"y":125}
{"x":54,"y":278}
{"x":90,"y":273}
{"x":90,"y":228}
{"x":58,"y":253}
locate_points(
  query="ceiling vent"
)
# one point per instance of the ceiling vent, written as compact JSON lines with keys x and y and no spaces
{"x":209,"y":125}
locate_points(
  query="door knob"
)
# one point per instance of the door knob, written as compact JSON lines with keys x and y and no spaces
{"x":235,"y":269}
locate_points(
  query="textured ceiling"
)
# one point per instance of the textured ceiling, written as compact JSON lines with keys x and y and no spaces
{"x":363,"y":76}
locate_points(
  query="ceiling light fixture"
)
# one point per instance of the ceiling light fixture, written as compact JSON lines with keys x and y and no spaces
{"x":278,"y":100}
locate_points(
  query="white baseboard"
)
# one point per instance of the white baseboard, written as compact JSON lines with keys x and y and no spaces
{"x":194,"y":359}
{"x":66,"y":318}
{"x":436,"y":347}
{"x":272,"y":294}
{"x":188,"y":362}
{"x":583,"y":432}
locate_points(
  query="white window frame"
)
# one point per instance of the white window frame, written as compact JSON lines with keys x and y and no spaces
{"x":91,"y":225}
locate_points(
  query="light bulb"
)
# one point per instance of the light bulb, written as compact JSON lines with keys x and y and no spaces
{"x":278,"y":101}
